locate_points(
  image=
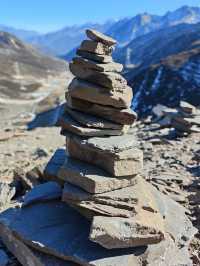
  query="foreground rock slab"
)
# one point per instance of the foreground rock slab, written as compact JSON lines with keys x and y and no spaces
{"x":95,"y":48}
{"x":119,"y":155}
{"x":95,"y":57}
{"x":93,"y":93}
{"x":121,"y":116}
{"x":57,"y":230}
{"x":91,"y":178}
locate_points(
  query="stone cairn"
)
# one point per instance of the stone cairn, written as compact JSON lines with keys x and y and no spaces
{"x":109,"y":215}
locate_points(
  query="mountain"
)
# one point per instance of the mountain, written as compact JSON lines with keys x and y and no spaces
{"x":20,"y":33}
{"x":63,"y":41}
{"x":166,"y":68}
{"x":24,"y":72}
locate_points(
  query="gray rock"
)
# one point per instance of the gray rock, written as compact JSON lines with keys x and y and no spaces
{"x":95,"y":57}
{"x":6,"y":194}
{"x":55,"y":229}
{"x":93,"y":93}
{"x":44,"y":192}
{"x":116,"y":232}
{"x":121,"y":116}
{"x":187,"y":107}
{"x":122,"y":202}
{"x":107,"y":80}
{"x":67,"y":123}
{"x":95,"y":48}
{"x":54,"y":165}
{"x":100,"y":37}
{"x":89,"y":64}
{"x":91,"y":120}
{"x":26,"y":255}
{"x":119,"y":156}
{"x":3,"y":258}
{"x":91,"y":178}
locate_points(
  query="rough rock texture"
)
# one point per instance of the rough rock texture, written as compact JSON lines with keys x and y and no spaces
{"x":91,"y":120}
{"x":109,"y":80}
{"x":93,"y":93}
{"x":52,"y":227}
{"x":6,"y":194}
{"x":119,"y":156}
{"x":68,"y":123}
{"x":95,"y":57}
{"x":124,"y":202}
{"x":100,"y":37}
{"x":43,"y":192}
{"x":89,"y":64}
{"x":122,"y":233}
{"x":95,"y":48}
{"x":91,"y":178}
{"x":121,"y":116}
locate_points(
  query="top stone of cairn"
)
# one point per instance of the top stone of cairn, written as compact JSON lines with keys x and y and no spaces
{"x":100,"y":37}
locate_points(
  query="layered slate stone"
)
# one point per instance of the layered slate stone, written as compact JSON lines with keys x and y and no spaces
{"x":100,"y":37}
{"x":118,"y":155}
{"x":95,"y":57}
{"x":89,"y":64}
{"x":55,"y":229}
{"x":91,"y":120}
{"x":116,"y":232}
{"x":121,"y":116}
{"x":109,"y":80}
{"x":93,"y":93}
{"x":124,"y":202}
{"x":67,"y":123}
{"x":95,"y":48}
{"x":91,"y":178}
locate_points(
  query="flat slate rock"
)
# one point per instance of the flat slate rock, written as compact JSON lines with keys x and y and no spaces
{"x":107,"y":80}
{"x":54,"y":165}
{"x":91,"y":120}
{"x":118,"y":155}
{"x":90,"y":64}
{"x":124,"y":202}
{"x":26,"y":255}
{"x":44,"y":192}
{"x":121,"y":116}
{"x":93,"y":93}
{"x":100,"y":37}
{"x":91,"y":178}
{"x":66,"y":122}
{"x":95,"y":57}
{"x":116,"y":232}
{"x":68,"y":239}
{"x":55,"y":229}
{"x":95,"y":48}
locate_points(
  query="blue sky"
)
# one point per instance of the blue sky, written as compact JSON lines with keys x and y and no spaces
{"x":48,"y":15}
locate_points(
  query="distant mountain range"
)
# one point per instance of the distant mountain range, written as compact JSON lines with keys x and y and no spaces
{"x":61,"y":42}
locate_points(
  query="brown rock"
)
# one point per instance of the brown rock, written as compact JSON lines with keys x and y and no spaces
{"x":108,"y":80}
{"x":91,"y":120}
{"x":100,"y":37}
{"x":121,"y":116}
{"x":95,"y":57}
{"x":119,"y":156}
{"x":116,"y":232}
{"x":70,"y":125}
{"x":91,"y":178}
{"x":89,"y":64}
{"x":93,"y":93}
{"x":126,"y":202}
{"x":95,"y":48}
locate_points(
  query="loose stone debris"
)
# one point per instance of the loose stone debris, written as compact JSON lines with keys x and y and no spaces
{"x":107,"y":213}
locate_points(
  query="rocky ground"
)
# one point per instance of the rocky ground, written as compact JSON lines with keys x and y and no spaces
{"x":171,"y":163}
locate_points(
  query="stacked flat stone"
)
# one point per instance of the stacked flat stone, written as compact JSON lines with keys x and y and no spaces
{"x":103,"y":167}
